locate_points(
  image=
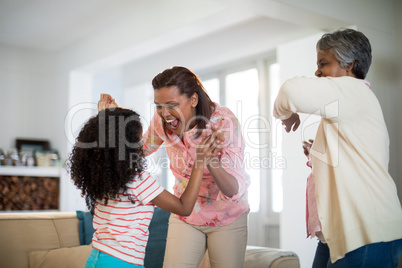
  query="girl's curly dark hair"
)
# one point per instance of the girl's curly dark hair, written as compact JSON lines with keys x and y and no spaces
{"x":107,"y":154}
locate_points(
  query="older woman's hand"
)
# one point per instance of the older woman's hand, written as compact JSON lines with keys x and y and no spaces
{"x":293,"y":120}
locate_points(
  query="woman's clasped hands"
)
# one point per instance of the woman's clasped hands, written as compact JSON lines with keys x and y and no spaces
{"x":210,"y":147}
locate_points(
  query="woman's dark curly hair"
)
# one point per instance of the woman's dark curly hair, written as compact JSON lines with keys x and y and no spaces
{"x":107,"y":154}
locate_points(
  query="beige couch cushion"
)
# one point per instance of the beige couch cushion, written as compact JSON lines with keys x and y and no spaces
{"x":61,"y":258}
{"x":25,"y":232}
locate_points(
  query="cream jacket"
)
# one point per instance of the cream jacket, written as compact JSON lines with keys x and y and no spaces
{"x":357,"y":199}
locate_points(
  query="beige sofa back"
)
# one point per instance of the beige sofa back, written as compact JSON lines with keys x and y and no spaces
{"x":35,"y":233}
{"x":49,"y":240}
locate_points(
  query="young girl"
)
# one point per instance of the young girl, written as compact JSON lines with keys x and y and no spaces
{"x":107,"y":164}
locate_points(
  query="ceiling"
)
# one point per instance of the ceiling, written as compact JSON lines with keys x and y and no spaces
{"x":107,"y":33}
{"x":255,"y":38}
{"x":52,"y":25}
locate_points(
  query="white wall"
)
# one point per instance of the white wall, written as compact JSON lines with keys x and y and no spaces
{"x":27,"y":92}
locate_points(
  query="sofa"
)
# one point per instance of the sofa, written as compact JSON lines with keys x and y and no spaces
{"x":62,"y":239}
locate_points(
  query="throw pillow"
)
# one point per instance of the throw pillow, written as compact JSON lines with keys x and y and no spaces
{"x":85,"y":227}
{"x":155,"y":250}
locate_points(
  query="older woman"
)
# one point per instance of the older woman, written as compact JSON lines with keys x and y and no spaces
{"x":359,"y":214}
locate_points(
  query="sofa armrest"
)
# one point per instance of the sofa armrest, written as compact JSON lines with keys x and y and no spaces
{"x":264,"y":257}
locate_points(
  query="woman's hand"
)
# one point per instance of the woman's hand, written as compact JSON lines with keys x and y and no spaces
{"x":307,"y":146}
{"x":209,"y":147}
{"x":293,"y":120}
{"x":106,"y":101}
{"x":226,"y":182}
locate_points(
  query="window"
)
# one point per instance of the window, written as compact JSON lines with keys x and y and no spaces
{"x":241,"y":97}
{"x":249,"y":92}
{"x":211,"y":86}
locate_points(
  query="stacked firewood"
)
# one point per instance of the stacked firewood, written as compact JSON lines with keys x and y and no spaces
{"x":29,"y":193}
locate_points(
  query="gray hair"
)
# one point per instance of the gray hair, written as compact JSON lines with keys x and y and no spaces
{"x":349,"y":46}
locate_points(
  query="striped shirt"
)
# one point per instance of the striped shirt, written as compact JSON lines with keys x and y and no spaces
{"x":121,"y":226}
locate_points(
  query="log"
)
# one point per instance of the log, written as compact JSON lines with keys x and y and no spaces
{"x":29,"y":193}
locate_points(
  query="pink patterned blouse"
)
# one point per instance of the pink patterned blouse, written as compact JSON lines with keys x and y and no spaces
{"x":212,"y":208}
{"x":313,"y":224}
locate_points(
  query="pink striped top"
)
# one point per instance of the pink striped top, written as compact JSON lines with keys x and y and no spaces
{"x":121,"y":226}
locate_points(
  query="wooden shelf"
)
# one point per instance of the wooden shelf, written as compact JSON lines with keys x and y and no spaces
{"x":30,"y":171}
